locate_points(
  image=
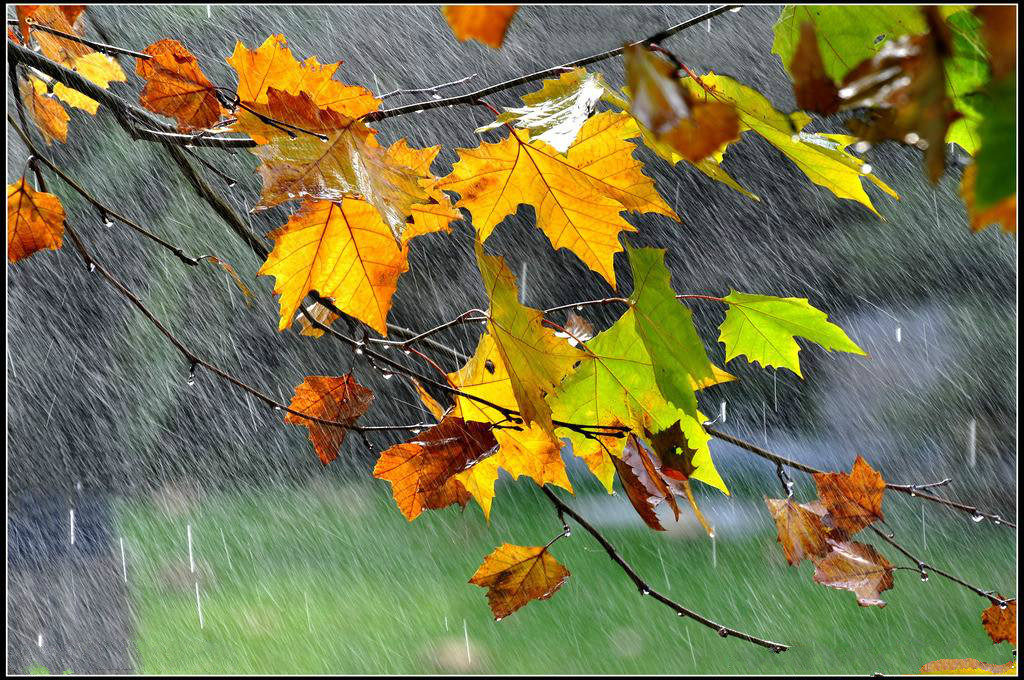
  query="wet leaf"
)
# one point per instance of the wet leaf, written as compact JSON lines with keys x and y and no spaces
{"x":64,"y":18}
{"x":853,"y":500}
{"x":48,"y":114}
{"x":342,"y":250}
{"x":856,"y":567}
{"x":694,"y":126}
{"x":617,"y":387}
{"x":996,"y":160}
{"x":537,"y":360}
{"x":516,"y":575}
{"x":822,"y":158}
{"x":801,"y":531}
{"x":348,"y":163}
{"x":450,"y":493}
{"x":968,"y":667}
{"x":666,"y":327}
{"x":529,"y":450}
{"x":99,"y":69}
{"x":764,"y":328}
{"x":176,"y":87}
{"x":339,"y":399}
{"x":578,"y":197}
{"x":1001,"y":623}
{"x":484,"y":23}
{"x":555,"y":113}
{"x":35,"y":221}
{"x":321,"y":313}
{"x":644,"y":485}
{"x":420,"y":467}
{"x":272,"y":65}
{"x":577,"y":329}
{"x":1003,"y":213}
{"x":999,"y":28}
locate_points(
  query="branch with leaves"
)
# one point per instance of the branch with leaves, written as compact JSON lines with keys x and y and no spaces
{"x":626,"y":397}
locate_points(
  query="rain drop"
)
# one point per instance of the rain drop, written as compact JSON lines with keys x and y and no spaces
{"x":107,"y":222}
{"x":497,"y":619}
{"x":645,"y":591}
{"x":192,"y":375}
{"x":911,"y":138}
{"x":734,"y":10}
{"x":92,"y":267}
{"x":359,"y":348}
{"x":1002,"y":605}
{"x":924,"y":575}
{"x":846,"y":93}
{"x":777,"y":649}
{"x":866,"y":169}
{"x":387,"y":375}
{"x":579,"y":308}
{"x":977,"y":518}
{"x":862,"y":147}
{"x":407,"y":352}
{"x":724,"y":632}
{"x":679,"y":614}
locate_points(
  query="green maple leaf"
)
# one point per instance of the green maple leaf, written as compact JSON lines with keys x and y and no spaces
{"x":764,"y":328}
{"x":618,"y":387}
{"x":666,"y":328}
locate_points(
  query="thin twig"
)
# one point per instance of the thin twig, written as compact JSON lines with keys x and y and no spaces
{"x":913,"y":490}
{"x":425,"y":90}
{"x":473,"y":97}
{"x":645,"y":589}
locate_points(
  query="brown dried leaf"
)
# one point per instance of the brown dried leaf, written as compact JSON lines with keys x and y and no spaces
{"x":644,"y":485}
{"x":64,"y":18}
{"x":1001,"y":624}
{"x":812,"y":86}
{"x":485,"y":23}
{"x":853,"y":500}
{"x":340,"y":399}
{"x":35,"y":221}
{"x":856,"y":567}
{"x":421,"y":466}
{"x":48,"y":114}
{"x":515,"y":575}
{"x":801,"y":530}
{"x":692,"y":124}
{"x":450,"y":493}
{"x":968,"y":667}
{"x":905,"y":85}
{"x":176,"y":87}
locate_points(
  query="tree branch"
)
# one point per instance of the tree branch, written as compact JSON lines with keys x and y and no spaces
{"x":644,"y":588}
{"x":913,"y":490}
{"x":98,"y":46}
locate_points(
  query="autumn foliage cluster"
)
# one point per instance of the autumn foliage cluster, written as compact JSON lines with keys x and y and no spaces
{"x":625,"y":397}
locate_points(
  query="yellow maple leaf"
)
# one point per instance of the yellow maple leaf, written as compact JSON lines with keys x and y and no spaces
{"x":272,"y":65}
{"x":531,"y":451}
{"x":578,"y":197}
{"x":342,"y":250}
{"x":536,"y":358}
{"x":98,"y":68}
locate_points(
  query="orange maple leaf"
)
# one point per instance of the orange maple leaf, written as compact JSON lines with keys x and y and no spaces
{"x":1003,"y":213}
{"x":35,"y":221}
{"x":853,"y":500}
{"x":272,"y":65}
{"x":64,"y":18}
{"x":1001,"y":622}
{"x":176,"y":87}
{"x":339,"y":399}
{"x":856,"y":567}
{"x":801,"y":530}
{"x":515,"y":575}
{"x":417,"y":469}
{"x":485,"y":23}
{"x":50,"y":117}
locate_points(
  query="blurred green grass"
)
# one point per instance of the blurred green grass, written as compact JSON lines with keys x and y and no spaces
{"x":332,"y":579}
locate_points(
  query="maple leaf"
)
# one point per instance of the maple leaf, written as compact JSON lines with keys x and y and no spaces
{"x":666,"y":327}
{"x":339,"y":399}
{"x":348,"y":163}
{"x":801,"y":530}
{"x":1001,"y":622}
{"x":437,"y":213}
{"x":764,"y":328}
{"x":578,"y":197}
{"x":450,"y":493}
{"x":417,"y":469}
{"x":321,"y":313}
{"x":853,"y":500}
{"x":176,"y":87}
{"x":968,"y":667}
{"x":345,"y":252}
{"x":617,"y":387}
{"x":272,"y":65}
{"x":1003,"y":212}
{"x":856,"y":567}
{"x":50,"y":117}
{"x":515,"y":575}
{"x":995,"y":181}
{"x":555,"y":113}
{"x":64,"y":18}
{"x":577,"y":330}
{"x":905,"y":86}
{"x":822,"y":158}
{"x":644,"y":485}
{"x":484,"y":23}
{"x":97,"y":68}
{"x":695,"y":127}
{"x":531,"y":450}
{"x":35,"y":221}
{"x":535,"y":357}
